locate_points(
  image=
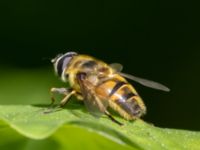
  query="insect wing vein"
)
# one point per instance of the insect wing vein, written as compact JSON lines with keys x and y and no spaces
{"x":145,"y":82}
{"x":94,"y":104}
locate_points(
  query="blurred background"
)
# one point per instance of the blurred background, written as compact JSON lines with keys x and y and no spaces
{"x":157,"y":40}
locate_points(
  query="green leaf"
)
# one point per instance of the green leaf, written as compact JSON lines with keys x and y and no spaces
{"x":31,"y":122}
{"x":66,"y":137}
{"x":27,"y":127}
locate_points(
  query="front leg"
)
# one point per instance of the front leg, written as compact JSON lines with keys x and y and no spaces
{"x":64,"y":91}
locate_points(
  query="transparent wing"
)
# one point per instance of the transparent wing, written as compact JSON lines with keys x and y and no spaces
{"x":94,"y":104}
{"x":145,"y":82}
{"x":148,"y":83}
{"x":116,"y":66}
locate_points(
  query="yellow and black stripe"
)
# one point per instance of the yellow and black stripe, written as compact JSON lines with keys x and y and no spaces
{"x":123,"y":98}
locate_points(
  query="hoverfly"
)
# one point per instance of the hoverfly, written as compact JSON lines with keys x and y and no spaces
{"x":100,"y":86}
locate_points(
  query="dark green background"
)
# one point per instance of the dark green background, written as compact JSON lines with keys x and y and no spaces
{"x":158,"y":40}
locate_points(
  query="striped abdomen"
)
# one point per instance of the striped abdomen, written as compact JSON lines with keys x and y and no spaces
{"x":122,"y":97}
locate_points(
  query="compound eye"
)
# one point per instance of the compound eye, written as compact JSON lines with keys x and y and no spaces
{"x":62,"y":64}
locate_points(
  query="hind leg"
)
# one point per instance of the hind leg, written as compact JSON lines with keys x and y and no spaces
{"x":112,"y":118}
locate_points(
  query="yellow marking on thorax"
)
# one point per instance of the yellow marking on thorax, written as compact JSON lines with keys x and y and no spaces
{"x":75,"y":66}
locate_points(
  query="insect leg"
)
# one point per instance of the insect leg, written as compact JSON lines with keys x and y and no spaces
{"x":112,"y":118}
{"x":66,"y":98}
{"x":63,"y":91}
{"x":67,"y":92}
